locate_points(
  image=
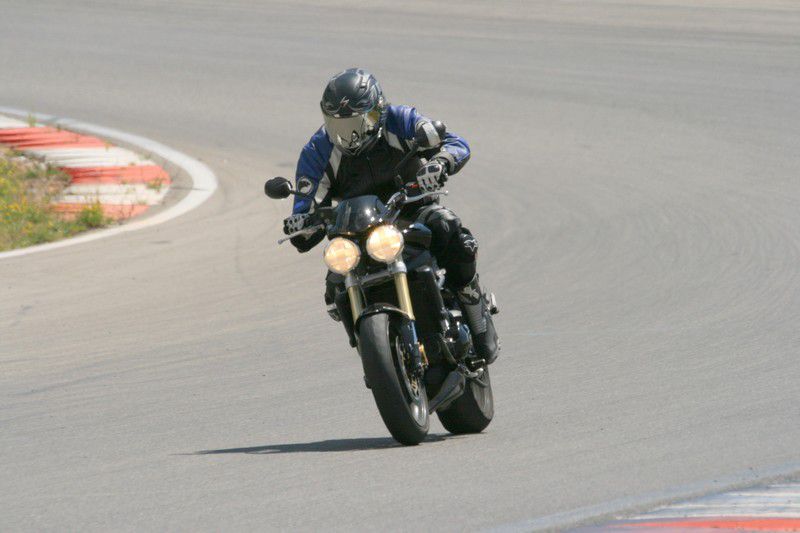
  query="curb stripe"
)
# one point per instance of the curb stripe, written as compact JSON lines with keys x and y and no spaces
{"x":112,"y":194}
{"x":774,"y":501}
{"x":752,"y":524}
{"x":127,"y":174}
{"x":90,"y":157}
{"x":7,"y":123}
{"x":37,"y":136}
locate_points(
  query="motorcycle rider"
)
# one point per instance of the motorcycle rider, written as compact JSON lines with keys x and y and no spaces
{"x":356,"y":152}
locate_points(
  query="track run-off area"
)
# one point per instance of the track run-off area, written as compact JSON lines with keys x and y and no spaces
{"x":634,"y":187}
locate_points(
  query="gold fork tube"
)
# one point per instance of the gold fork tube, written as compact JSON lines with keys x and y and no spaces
{"x":356,"y":305}
{"x":403,"y":294}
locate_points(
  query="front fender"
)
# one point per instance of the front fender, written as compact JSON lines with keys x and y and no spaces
{"x":407,"y":331}
{"x":374,"y":309}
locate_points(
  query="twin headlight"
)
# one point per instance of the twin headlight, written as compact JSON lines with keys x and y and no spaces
{"x":341,"y":255}
{"x":384,"y":244}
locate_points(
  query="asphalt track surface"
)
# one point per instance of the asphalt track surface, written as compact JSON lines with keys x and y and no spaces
{"x":634,"y":187}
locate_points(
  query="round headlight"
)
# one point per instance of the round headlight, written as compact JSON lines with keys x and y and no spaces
{"x":385,"y":243}
{"x":342,"y":255}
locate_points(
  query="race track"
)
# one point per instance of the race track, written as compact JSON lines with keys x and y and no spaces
{"x":634,"y":187}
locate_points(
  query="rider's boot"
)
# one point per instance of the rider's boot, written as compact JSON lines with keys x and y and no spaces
{"x":479,"y":319}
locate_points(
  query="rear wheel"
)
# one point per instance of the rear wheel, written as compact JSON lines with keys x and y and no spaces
{"x":473,"y":410}
{"x":401,"y":399}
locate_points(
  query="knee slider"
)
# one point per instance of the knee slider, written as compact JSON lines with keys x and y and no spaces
{"x":461,"y":261}
{"x":445,"y":231}
{"x":467,"y":246}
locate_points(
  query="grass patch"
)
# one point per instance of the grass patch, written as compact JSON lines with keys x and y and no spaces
{"x":156,"y":184}
{"x":26,"y":214}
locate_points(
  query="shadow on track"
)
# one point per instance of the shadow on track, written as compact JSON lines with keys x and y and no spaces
{"x":334,"y":445}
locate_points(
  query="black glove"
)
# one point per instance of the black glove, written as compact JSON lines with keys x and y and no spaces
{"x":433,"y":175}
{"x":306,"y":243}
{"x":294,"y":223}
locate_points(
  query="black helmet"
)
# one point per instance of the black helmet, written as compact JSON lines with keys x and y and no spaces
{"x":353,"y":107}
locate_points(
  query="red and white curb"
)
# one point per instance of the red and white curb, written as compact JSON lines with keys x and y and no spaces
{"x":772,"y":508}
{"x":113,"y":175}
{"x":125,"y":184}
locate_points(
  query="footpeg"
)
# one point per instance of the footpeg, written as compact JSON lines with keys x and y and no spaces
{"x":475,"y":365}
{"x":491,"y":304}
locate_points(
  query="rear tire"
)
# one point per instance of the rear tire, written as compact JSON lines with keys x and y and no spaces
{"x":404,"y":412}
{"x":473,"y":410}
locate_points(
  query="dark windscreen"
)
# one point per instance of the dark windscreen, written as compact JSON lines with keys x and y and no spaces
{"x":355,"y":215}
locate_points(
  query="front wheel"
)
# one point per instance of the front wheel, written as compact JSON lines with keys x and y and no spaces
{"x":401,"y":399}
{"x":473,"y":410}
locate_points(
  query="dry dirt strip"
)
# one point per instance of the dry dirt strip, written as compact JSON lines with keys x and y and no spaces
{"x":123,"y":182}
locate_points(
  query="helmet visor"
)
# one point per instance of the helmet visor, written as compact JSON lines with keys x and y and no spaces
{"x":350,"y":133}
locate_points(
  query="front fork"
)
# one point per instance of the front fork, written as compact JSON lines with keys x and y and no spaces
{"x":408,"y":330}
{"x":403,"y":294}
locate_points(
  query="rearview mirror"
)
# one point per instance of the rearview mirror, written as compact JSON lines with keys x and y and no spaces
{"x":278,"y":188}
{"x":430,"y":134}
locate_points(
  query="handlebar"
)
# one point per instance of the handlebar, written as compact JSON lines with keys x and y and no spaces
{"x":393,"y":205}
{"x":307,"y":231}
{"x":401,"y":198}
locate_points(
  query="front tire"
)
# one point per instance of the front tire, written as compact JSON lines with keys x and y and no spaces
{"x":473,"y":410}
{"x":402,"y":402}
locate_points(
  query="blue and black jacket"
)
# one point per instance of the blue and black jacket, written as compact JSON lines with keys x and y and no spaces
{"x":328,"y":174}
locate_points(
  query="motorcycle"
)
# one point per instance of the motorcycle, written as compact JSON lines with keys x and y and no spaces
{"x":416,"y":349}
